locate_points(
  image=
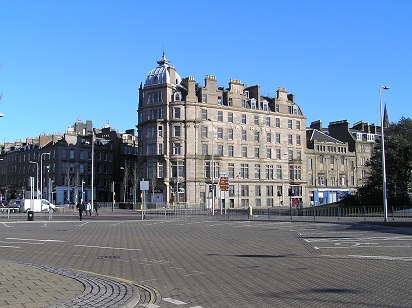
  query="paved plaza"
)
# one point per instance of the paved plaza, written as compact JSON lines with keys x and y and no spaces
{"x":118,"y":260}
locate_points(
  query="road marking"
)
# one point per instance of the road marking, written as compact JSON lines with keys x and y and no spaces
{"x":409,"y":259}
{"x":116,"y":248}
{"x":22,"y":243}
{"x":360,"y":245}
{"x":150,"y":305}
{"x":32,"y":239}
{"x":173,"y":301}
{"x":9,"y":247}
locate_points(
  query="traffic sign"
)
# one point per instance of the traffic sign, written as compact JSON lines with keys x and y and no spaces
{"x":224,"y":183}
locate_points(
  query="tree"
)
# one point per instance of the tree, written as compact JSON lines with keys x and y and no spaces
{"x":68,"y":178}
{"x":135,"y":182}
{"x":126,"y":173}
{"x":153,"y":183}
{"x":77,"y":183}
{"x":398,"y":159}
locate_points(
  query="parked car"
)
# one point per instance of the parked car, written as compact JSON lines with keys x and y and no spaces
{"x":14,"y":205}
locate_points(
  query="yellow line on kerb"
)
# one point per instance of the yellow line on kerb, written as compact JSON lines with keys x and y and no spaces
{"x":106,"y":276}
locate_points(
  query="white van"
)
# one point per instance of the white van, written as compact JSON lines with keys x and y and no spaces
{"x":37,"y":205}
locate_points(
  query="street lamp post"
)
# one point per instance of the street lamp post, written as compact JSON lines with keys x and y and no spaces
{"x":41,"y":173}
{"x":37,"y":177}
{"x":83,"y":190}
{"x":238,"y":190}
{"x":283,"y":176}
{"x":385,"y":199}
{"x":213,"y":168}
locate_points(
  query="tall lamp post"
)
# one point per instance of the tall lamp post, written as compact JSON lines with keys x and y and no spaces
{"x":385,"y":199}
{"x":83,"y":190}
{"x":41,"y":173}
{"x":238,"y":189}
{"x":213,"y":168}
{"x":37,"y":177}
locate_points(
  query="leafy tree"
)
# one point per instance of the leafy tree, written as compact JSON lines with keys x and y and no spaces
{"x":398,"y":159}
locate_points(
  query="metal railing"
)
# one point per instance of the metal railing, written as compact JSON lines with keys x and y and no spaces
{"x":198,"y":212}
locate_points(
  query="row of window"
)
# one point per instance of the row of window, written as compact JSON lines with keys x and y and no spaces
{"x":324,"y":148}
{"x":244,"y":134}
{"x":256,"y":119}
{"x":157,"y":149}
{"x":268,"y":172}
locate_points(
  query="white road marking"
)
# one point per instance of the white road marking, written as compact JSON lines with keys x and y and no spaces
{"x":32,"y":239}
{"x":9,"y":247}
{"x":116,"y":248}
{"x":360,"y":245}
{"x":173,"y":301}
{"x":150,"y":305}
{"x":409,"y":259}
{"x":22,"y":243}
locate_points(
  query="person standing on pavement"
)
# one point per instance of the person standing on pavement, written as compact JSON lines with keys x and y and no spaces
{"x":89,"y":209}
{"x":81,"y":208}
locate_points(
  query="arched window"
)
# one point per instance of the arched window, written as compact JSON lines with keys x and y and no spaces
{"x":177,"y":96}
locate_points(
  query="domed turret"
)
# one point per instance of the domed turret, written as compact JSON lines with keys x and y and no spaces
{"x":161,"y":74}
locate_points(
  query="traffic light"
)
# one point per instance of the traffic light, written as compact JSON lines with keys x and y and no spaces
{"x":290,"y":192}
{"x":279,"y":193}
{"x":210,"y":187}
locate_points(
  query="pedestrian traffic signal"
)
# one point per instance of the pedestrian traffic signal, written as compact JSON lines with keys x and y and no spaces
{"x":290,"y":192}
{"x":279,"y":193}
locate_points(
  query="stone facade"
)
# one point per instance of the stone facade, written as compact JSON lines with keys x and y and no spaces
{"x":257,"y":141}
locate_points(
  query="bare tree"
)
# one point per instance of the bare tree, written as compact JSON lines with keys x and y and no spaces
{"x":153,"y":183}
{"x":135,"y":182}
{"x":68,"y":177}
{"x":77,"y":183}
{"x":125,"y":181}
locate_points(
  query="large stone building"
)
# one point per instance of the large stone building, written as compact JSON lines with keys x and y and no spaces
{"x":187,"y":130}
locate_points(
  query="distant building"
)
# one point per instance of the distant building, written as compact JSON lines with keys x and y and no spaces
{"x":68,"y":168}
{"x":337,"y":158}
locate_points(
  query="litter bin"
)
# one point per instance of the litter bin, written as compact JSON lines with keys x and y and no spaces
{"x":30,"y":215}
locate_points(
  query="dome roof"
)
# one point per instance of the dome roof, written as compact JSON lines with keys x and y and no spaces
{"x":160,"y":74}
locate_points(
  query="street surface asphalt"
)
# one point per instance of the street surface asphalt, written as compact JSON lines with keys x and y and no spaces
{"x":118,"y":260}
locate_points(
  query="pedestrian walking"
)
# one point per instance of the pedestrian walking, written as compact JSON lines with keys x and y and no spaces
{"x":89,"y":209}
{"x":81,"y":208}
{"x":96,"y":208}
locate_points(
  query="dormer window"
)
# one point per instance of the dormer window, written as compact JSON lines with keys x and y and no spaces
{"x":177,"y":96}
{"x":253,"y":104}
{"x":265,"y":105}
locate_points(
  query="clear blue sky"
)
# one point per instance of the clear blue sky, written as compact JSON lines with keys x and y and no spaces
{"x":61,"y":60}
